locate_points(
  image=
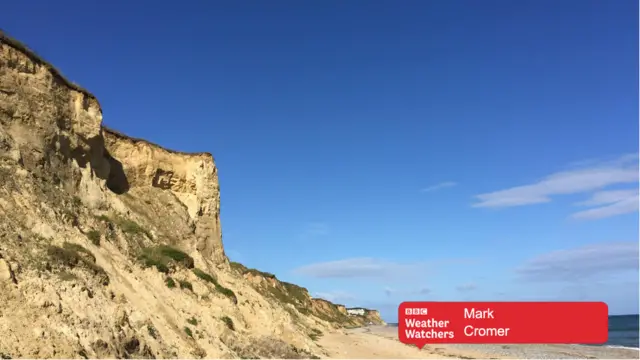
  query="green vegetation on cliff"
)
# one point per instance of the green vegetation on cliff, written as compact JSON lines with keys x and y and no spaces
{"x":297,"y":296}
{"x":245,"y":270}
{"x":162,"y":257}
{"x":221,"y":289}
{"x":71,"y":255}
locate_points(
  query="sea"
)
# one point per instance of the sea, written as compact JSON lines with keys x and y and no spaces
{"x":623,"y":331}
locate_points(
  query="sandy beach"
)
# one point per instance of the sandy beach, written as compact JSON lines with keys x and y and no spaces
{"x":378,"y":342}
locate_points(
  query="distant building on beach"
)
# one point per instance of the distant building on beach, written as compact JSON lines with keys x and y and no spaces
{"x":356,"y":311}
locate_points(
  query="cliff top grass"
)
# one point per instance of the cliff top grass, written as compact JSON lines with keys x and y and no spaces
{"x":334,"y":315}
{"x":245,"y":270}
{"x":134,"y":140}
{"x":288,"y":293}
{"x":292,"y":293}
{"x":57,"y":74}
{"x":292,"y":290}
{"x":329,"y":302}
{"x":297,"y":292}
{"x":18,"y":45}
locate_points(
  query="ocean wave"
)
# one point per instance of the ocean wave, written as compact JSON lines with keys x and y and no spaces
{"x":622,"y":347}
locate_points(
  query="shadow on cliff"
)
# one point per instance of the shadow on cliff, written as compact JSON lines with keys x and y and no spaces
{"x":105,"y":166}
{"x":117,"y":180}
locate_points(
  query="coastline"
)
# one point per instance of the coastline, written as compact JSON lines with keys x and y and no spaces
{"x":381,"y":342}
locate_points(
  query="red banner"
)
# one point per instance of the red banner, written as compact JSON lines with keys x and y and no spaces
{"x":422,"y":323}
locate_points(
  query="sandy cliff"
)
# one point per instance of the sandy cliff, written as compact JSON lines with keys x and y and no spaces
{"x":191,"y":178}
{"x":298,"y":299}
{"x":111,"y":246}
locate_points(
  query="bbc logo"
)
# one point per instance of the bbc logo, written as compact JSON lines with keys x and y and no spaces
{"x":416,"y":311}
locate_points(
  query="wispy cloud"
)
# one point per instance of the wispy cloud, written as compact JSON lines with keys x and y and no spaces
{"x":586,"y":177}
{"x":442,"y":185}
{"x":609,"y":197}
{"x":314,"y":230}
{"x":582,"y":263}
{"x":466,"y":287}
{"x":335,"y":296}
{"x":373,"y":268}
{"x":394,"y":292}
{"x":609,"y":203}
{"x":359,"y":268}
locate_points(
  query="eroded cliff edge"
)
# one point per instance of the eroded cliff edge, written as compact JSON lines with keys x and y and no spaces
{"x":111,"y":246}
{"x":191,"y":178}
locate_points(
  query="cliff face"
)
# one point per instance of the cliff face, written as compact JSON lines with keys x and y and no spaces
{"x":50,"y":122}
{"x":371,"y":317}
{"x":191,"y":178}
{"x":111,"y":246}
{"x":298,"y":300}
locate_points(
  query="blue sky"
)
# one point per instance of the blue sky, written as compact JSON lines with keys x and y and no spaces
{"x":381,"y":151}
